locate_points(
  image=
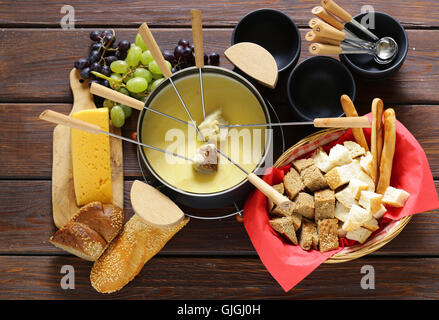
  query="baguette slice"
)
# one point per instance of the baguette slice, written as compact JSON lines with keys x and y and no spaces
{"x":354,"y":149}
{"x":395,"y":197}
{"x":360,"y":235}
{"x":127,"y":254}
{"x":380,"y":213}
{"x":321,"y":160}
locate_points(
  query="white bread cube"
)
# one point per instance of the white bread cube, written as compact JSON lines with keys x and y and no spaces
{"x":354,"y":149}
{"x":370,"y":201}
{"x":339,"y":155}
{"x":360,"y":235}
{"x":321,"y":160}
{"x":356,"y":186}
{"x":371,"y":225}
{"x":341,"y":232}
{"x":395,"y":197}
{"x":341,"y":212}
{"x":356,"y":218}
{"x":346,"y":197}
{"x":362,"y":176}
{"x":366,"y":163}
{"x":339,"y":176}
{"x":380,"y":213}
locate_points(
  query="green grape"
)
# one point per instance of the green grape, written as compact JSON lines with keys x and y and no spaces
{"x":119,"y":66}
{"x":169,"y":65}
{"x":156,"y":83}
{"x":142,"y":72}
{"x":116,"y":76}
{"x":156,"y":76}
{"x":140,"y":43}
{"x":154,"y":67}
{"x":128,"y":78}
{"x":117,"y":116}
{"x":146,"y":57}
{"x":134,"y":56}
{"x":127,"y":111}
{"x":124,"y":91}
{"x":108,"y":104}
{"x":137,"y":84}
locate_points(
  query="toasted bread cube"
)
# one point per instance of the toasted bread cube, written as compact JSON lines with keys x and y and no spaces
{"x":370,"y":201}
{"x":281,"y":211}
{"x":380,"y":213}
{"x":302,"y":164}
{"x":285,"y":227}
{"x":346,"y":197}
{"x":308,"y":237}
{"x":321,"y":160}
{"x":293,"y":183}
{"x":360,"y":235}
{"x":313,"y":178}
{"x":366,"y":163}
{"x":304,"y":204}
{"x":324,"y":204}
{"x":356,"y":218}
{"x":339,"y":176}
{"x":279,"y":188}
{"x":362,"y":176}
{"x":371,"y":225}
{"x":341,"y":233}
{"x":354,"y":149}
{"x":339,"y":155}
{"x":328,"y":234}
{"x":341,"y":212}
{"x":395,"y":197}
{"x":357,"y":186}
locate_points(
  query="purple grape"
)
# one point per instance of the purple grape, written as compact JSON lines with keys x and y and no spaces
{"x":192,"y":47}
{"x":124,"y":45}
{"x":184,"y":43}
{"x":106,"y":32}
{"x":96,"y":46}
{"x":104,"y":82}
{"x":81,"y":63}
{"x":120,"y":55}
{"x":110,"y":59}
{"x":95,"y":66}
{"x":187,"y":55}
{"x":178,"y":52}
{"x":214,"y":59}
{"x":85,"y":73}
{"x":106,"y":70}
{"x":108,"y":39}
{"x":94,"y":56}
{"x":206,"y":59}
{"x":95,"y":35}
{"x":174,"y":70}
{"x":168,"y":55}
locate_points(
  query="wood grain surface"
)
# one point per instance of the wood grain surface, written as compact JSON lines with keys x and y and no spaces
{"x":207,"y":259}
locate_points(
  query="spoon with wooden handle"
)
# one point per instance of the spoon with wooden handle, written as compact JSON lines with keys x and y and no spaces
{"x":327,"y":49}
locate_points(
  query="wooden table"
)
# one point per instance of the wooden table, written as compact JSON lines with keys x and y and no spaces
{"x":207,"y":259}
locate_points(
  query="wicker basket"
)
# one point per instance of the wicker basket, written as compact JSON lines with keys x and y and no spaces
{"x":359,"y":250}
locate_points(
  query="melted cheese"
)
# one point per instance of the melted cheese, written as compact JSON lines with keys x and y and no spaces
{"x":91,"y":159}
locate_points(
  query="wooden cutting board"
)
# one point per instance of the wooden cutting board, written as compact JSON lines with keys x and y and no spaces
{"x":63,"y":193}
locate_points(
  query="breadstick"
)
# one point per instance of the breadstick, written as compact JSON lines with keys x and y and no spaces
{"x":388,"y":150}
{"x":376,"y":138}
{"x":350,"y":111}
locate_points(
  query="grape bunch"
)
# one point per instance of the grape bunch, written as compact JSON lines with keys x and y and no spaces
{"x":184,"y":56}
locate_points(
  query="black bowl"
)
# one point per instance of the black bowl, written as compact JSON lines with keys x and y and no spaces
{"x":272,"y":30}
{"x":315,"y":86}
{"x":364,"y":65}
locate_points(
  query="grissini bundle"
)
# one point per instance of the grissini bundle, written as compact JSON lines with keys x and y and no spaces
{"x":350,"y":111}
{"x":376,"y":138}
{"x":388,"y":150}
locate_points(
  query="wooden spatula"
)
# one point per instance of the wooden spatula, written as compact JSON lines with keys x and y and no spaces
{"x":255,"y":61}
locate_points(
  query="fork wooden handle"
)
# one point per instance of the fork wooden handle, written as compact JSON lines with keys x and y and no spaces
{"x":115,"y":96}
{"x":197,"y":35}
{"x":59,"y":118}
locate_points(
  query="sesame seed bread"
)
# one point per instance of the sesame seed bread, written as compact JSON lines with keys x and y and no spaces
{"x":285,"y":226}
{"x":308,"y":236}
{"x":328,"y":234}
{"x":324,"y":204}
{"x":292,"y":183}
{"x":301,"y":164}
{"x":304,"y":205}
{"x":313,"y":178}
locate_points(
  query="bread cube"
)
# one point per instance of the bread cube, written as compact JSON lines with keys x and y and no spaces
{"x":395,"y":197}
{"x":282,"y":211}
{"x":360,"y":235}
{"x":354,"y":149}
{"x":308,"y":237}
{"x":356,"y":186}
{"x":380,"y":213}
{"x":366,"y":163}
{"x":346,"y":197}
{"x":304,"y":204}
{"x":371,"y":225}
{"x":341,"y":212}
{"x":279,"y":188}
{"x":362,"y":176}
{"x":324,"y":204}
{"x":302,"y":164}
{"x":313,"y":178}
{"x":356,"y":218}
{"x":285,"y":227}
{"x":339,"y":176}
{"x":321,"y":160}
{"x":328,"y":234}
{"x":293,"y":183}
{"x":370,"y":201}
{"x":339,"y":155}
{"x":341,"y":233}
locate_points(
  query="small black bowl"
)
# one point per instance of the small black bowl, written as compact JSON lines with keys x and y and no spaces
{"x":364,"y":65}
{"x":272,"y":30}
{"x":315,"y":86}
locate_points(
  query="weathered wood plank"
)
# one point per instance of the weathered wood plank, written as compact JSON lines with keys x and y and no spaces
{"x":38,"y":277}
{"x":26,"y":142}
{"x":26,"y":224}
{"x":423,"y":13}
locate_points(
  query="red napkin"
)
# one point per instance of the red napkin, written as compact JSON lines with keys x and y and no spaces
{"x":290,"y":264}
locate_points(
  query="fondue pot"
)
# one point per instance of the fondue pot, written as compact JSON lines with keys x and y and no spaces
{"x":194,"y":199}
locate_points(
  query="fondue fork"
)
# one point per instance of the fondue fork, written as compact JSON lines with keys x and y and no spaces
{"x":197,"y":35}
{"x":59,"y":118}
